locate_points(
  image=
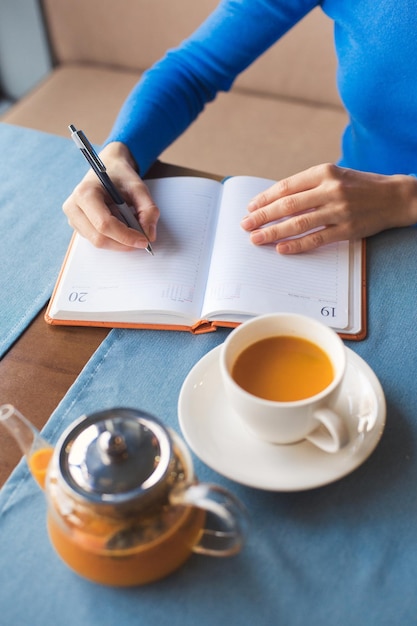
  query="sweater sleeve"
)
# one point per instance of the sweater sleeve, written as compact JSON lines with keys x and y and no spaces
{"x":175,"y":90}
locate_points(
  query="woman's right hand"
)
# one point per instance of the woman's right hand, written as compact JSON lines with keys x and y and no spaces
{"x":87,"y":208}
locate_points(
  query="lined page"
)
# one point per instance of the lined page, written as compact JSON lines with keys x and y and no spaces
{"x":246,"y":280}
{"x":171,"y":282}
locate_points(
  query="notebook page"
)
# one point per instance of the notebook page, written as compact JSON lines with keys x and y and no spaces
{"x":247,"y":280}
{"x":172,"y":281}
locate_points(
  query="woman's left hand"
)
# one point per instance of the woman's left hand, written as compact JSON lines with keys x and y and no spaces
{"x":327,"y":203}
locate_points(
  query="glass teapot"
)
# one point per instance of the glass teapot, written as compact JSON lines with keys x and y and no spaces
{"x":124,"y":506}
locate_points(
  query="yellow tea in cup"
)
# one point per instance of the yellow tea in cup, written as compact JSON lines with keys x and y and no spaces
{"x":283,"y":369}
{"x":282,"y":374}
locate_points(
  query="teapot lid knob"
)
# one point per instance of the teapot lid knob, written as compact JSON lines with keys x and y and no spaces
{"x":115,"y":456}
{"x":112,"y":446}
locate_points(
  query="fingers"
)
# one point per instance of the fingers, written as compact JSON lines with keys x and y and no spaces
{"x":147,"y":212}
{"x":300,"y":234}
{"x":101,"y":228}
{"x":88,"y":208}
{"x":88,"y":214}
{"x":302,"y":212}
{"x":308,"y":180}
{"x":311,"y":241}
{"x":328,"y":203}
{"x":297,"y":205}
{"x":288,"y":228}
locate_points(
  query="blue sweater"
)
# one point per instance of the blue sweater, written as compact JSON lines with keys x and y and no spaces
{"x":376,"y":45}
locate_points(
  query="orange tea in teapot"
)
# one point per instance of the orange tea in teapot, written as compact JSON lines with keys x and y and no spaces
{"x":113,"y":552}
{"x":124,"y":507}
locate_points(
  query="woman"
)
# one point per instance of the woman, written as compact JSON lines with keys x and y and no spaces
{"x":371,"y":189}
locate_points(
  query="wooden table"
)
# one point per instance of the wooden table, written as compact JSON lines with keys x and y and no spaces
{"x":37,"y":372}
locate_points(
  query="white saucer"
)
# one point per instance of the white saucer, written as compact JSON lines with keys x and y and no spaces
{"x":217,"y":436}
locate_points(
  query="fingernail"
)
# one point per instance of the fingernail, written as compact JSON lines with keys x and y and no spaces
{"x":247,"y":223}
{"x":257,"y":237}
{"x":152,"y":232}
{"x":283,"y":248}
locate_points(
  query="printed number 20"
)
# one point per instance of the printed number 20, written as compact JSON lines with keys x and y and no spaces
{"x":78,"y":296}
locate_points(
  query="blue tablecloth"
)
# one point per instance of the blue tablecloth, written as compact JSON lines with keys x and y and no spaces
{"x":343,"y":554}
{"x":37,"y":172}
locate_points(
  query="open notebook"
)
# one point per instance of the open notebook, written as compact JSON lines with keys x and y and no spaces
{"x":205,"y":272}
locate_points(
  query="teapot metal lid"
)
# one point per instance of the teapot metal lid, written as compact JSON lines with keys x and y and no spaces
{"x":117,"y":456}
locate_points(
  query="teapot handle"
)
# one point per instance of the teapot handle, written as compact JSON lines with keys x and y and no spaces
{"x":226,"y":519}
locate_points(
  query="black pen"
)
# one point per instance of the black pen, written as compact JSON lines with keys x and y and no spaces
{"x":121,"y":210}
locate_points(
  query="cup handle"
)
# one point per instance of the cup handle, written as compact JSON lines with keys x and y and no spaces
{"x":226,"y":519}
{"x":331,"y":434}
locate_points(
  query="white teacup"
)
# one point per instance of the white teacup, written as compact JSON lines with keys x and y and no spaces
{"x":287,"y":422}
